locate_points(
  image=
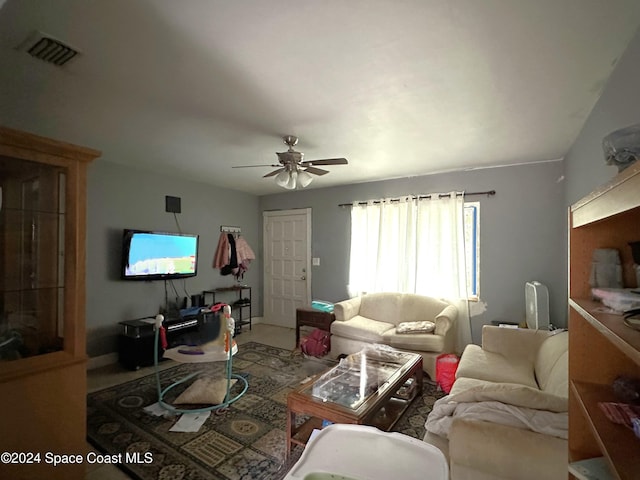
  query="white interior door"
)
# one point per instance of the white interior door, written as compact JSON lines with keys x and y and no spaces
{"x":287,"y":264}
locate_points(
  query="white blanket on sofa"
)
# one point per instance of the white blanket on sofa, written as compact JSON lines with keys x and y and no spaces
{"x":541,"y":421}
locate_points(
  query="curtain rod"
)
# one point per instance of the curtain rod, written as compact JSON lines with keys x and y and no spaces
{"x":488,"y":193}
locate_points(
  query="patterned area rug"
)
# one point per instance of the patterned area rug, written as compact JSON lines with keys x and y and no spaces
{"x":245,"y":442}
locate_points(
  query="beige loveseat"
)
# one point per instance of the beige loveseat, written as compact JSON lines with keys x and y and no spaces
{"x":506,"y":415}
{"x":373,"y":318}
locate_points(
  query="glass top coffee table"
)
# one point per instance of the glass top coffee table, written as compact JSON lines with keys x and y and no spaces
{"x":372,"y":387}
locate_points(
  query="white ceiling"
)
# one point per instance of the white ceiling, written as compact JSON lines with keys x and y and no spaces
{"x":399,"y":88}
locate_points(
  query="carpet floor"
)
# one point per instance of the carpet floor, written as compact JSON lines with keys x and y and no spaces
{"x":247,"y":441}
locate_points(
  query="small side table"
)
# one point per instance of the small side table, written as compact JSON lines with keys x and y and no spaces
{"x":310,"y":317}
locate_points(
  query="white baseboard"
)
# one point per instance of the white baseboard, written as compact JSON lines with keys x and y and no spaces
{"x":102,"y":360}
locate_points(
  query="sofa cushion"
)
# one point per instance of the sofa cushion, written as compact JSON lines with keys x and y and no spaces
{"x":493,"y":367}
{"x":361,"y":328}
{"x":472,"y":390}
{"x":421,"y":342}
{"x":416,"y":308}
{"x":552,"y":350}
{"x":383,"y":307}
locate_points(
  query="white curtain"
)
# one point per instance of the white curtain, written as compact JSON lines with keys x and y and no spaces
{"x":412,"y":246}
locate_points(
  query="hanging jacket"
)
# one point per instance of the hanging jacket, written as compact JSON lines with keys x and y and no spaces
{"x":245,"y":255}
{"x":243,"y":250}
{"x":222,"y":255}
{"x":233,"y":259}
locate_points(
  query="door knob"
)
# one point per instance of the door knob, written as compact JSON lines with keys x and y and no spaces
{"x":303,"y":277}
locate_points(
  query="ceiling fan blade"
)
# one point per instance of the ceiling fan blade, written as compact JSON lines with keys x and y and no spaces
{"x":249,"y":166}
{"x":326,"y":161}
{"x":316,"y":171}
{"x":275,"y":172}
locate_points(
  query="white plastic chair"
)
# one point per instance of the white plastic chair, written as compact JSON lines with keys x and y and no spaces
{"x":358,"y":452}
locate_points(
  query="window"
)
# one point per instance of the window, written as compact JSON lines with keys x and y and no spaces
{"x":472,"y":248}
{"x":428,"y":246}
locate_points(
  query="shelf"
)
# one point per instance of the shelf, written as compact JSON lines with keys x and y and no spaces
{"x":601,"y":346}
{"x":303,"y":432}
{"x":611,"y":326}
{"x":32,"y":210}
{"x":617,"y":196}
{"x":240,"y":314}
{"x":31,"y":289}
{"x":390,"y":413}
{"x":235,"y":288}
{"x":616,"y":442}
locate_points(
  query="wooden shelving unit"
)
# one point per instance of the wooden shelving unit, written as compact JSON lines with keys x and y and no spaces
{"x":42,"y":293}
{"x":601,"y":347}
{"x":241,"y":312}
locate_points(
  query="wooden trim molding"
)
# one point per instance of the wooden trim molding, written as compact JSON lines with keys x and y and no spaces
{"x":28,"y":146}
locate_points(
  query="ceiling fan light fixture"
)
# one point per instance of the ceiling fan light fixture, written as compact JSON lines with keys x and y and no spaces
{"x":283,"y":178}
{"x":292,"y":177}
{"x":304,"y":178}
{"x":293,"y":180}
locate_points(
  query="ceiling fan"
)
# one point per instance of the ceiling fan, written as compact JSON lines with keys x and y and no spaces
{"x":292,"y":170}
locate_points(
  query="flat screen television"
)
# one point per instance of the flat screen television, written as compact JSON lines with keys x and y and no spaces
{"x":158,"y":255}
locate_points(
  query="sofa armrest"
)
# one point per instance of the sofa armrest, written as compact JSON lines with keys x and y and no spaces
{"x":479,"y":449}
{"x":347,"y":309}
{"x":519,"y":343}
{"x":441,"y":443}
{"x":445,"y":320}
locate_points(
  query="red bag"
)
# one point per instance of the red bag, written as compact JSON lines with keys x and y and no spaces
{"x":317,"y":344}
{"x":446,"y":367}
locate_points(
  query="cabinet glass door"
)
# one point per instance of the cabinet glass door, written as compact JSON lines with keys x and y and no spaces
{"x":32,"y":232}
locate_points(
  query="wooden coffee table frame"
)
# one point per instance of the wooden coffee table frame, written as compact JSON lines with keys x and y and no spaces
{"x":370,"y":412}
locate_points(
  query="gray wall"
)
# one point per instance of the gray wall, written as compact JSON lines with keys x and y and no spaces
{"x":523,"y":228}
{"x":618,"y":107}
{"x":121,"y":197}
{"x":521,"y":233}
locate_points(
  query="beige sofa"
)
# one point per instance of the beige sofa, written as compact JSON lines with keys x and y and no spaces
{"x":373,"y":318}
{"x":506,"y":415}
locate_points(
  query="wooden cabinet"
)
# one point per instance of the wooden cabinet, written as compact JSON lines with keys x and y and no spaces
{"x":42,"y":301}
{"x":310,"y":317}
{"x":601,"y":347}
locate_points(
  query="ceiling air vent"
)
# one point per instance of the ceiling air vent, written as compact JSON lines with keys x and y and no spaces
{"x":46,"y":48}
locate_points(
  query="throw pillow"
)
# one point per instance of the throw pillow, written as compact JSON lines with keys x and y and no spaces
{"x":415,"y":327}
{"x":205,"y":390}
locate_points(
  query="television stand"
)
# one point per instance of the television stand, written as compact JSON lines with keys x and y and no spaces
{"x":135,"y":342}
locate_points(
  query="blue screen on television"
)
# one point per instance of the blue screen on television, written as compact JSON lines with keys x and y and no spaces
{"x":156,"y":255}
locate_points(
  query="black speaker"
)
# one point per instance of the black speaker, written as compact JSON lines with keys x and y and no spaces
{"x":197,"y":300}
{"x":172,"y":204}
